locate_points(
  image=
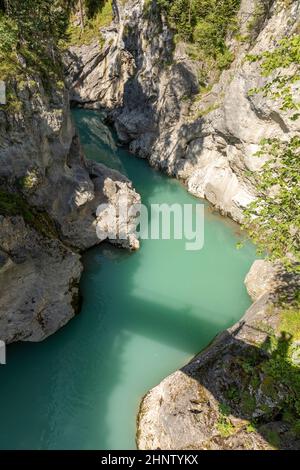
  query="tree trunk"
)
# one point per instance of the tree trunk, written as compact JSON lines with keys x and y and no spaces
{"x":7,"y":7}
{"x":81,"y":14}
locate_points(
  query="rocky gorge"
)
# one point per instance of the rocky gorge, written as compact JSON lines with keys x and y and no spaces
{"x":49,"y":196}
{"x":208,"y":137}
{"x":204,"y":135}
{"x":199,"y":124}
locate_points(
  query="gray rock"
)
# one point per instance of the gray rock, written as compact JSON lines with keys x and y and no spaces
{"x":262,"y":278}
{"x":41,"y":163}
{"x":209,"y":403}
{"x":39,"y":283}
{"x":149,"y":88}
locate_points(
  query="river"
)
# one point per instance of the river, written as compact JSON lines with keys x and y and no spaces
{"x":144,"y":314}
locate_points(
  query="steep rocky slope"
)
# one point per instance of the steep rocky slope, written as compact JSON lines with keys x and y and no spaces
{"x":206,"y":136}
{"x":229,"y":396}
{"x":39,"y":282}
{"x":237,"y":393}
{"x":49,"y":195}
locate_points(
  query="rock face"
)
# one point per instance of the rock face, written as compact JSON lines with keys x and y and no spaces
{"x":49,"y":199}
{"x":149,"y":87}
{"x":39,"y":282}
{"x":207,"y":137}
{"x":261,"y":278}
{"x":41,"y":154}
{"x":209,"y":403}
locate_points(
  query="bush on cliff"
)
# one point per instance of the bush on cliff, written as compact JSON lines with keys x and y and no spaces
{"x":29,"y":35}
{"x":205,"y":23}
{"x":273,"y":219}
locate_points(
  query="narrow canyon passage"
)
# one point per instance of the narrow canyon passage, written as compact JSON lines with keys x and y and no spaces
{"x":144,"y":315}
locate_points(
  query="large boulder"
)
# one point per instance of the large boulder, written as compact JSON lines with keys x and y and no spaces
{"x":45,"y":179}
{"x":263,"y":277}
{"x":227,"y":397}
{"x":39,"y":279}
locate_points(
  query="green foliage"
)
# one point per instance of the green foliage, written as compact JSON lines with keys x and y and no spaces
{"x":224,"y":425}
{"x":248,"y":402}
{"x":273,"y":438}
{"x":283,"y":62}
{"x":282,"y":370}
{"x":29,"y":181}
{"x":13,"y":104}
{"x":273,"y":219}
{"x":13,"y":204}
{"x":8,"y":34}
{"x":205,"y":111}
{"x":40,"y":23}
{"x":232,"y":394}
{"x":250,"y":428}
{"x":98,"y":15}
{"x":267,"y":381}
{"x":296,"y":428}
{"x":29,"y":36}
{"x":92,"y":7}
{"x":8,"y":42}
{"x":286,"y":53}
{"x":204,"y":23}
{"x":290,"y":321}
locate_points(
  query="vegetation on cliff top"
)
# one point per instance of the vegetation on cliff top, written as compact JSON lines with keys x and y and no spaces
{"x":85,"y":26}
{"x":205,"y":24}
{"x":29,"y":37}
{"x":273,"y":219}
{"x":13,"y":204}
{"x":265,"y":386}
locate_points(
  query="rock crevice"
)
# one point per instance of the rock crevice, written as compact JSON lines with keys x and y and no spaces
{"x":49,"y":196}
{"x":150,"y":88}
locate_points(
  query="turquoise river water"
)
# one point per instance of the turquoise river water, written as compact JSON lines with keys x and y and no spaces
{"x":144,"y":315}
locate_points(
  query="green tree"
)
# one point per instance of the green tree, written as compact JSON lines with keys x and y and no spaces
{"x":273,"y":219}
{"x":30,"y":33}
{"x":204,"y":23}
{"x":8,"y":34}
{"x":282,"y":66}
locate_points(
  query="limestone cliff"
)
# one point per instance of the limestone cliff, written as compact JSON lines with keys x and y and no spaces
{"x":49,"y":196}
{"x":150,"y":87}
{"x":236,"y":393}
